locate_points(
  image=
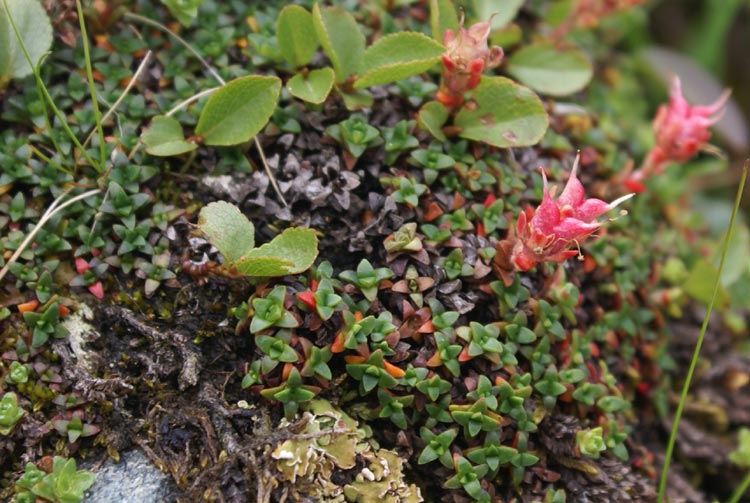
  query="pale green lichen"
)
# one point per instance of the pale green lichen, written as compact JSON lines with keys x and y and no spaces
{"x":331,"y":441}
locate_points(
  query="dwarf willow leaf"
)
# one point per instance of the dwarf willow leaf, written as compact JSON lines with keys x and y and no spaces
{"x":296,"y":35}
{"x":291,"y":252}
{"x":432,"y":116}
{"x":239,"y":110}
{"x":341,"y":39}
{"x":504,"y":114}
{"x":442,"y":17}
{"x":313,"y":87}
{"x":228,"y":229}
{"x":501,"y":12}
{"x":398,"y":56}
{"x":552,"y":71}
{"x":35,"y":31}
{"x":165,"y":138}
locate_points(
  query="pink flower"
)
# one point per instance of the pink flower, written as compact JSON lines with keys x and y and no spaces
{"x":681,"y":130}
{"x":557,"y":226}
{"x":466,"y":57}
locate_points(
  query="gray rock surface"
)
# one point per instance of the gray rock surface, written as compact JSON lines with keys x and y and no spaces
{"x":133,"y":480}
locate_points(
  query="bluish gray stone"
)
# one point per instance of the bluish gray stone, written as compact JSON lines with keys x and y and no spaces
{"x":134,"y":479}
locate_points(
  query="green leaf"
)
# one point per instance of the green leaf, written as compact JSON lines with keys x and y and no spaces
{"x":502,"y":12}
{"x":341,"y":39}
{"x":431,"y":117}
{"x":239,"y":110}
{"x":398,"y":56}
{"x":296,"y":36}
{"x":313,"y":87}
{"x":165,"y":138}
{"x":184,"y":10}
{"x":35,"y":29}
{"x":736,"y":262}
{"x":263,"y":266}
{"x":228,"y":229}
{"x":551,"y":71}
{"x":503,"y":114}
{"x":442,"y":17}
{"x":700,"y":284}
{"x":357,"y":100}
{"x":291,"y":252}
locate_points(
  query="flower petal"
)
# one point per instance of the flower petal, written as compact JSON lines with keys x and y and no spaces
{"x":573,"y":229}
{"x":573,"y":193}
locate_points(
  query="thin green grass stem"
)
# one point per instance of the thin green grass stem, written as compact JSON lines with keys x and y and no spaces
{"x":92,"y":87}
{"x":699,"y":343}
{"x":740,"y":490}
{"x":48,"y":160}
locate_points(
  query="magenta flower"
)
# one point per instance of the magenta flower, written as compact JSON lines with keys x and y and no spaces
{"x":556,"y":229}
{"x":466,"y":57}
{"x":681,"y":130}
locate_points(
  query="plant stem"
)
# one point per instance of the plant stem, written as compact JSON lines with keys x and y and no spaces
{"x":49,"y":161}
{"x":699,"y":343}
{"x":740,"y":490}
{"x":92,"y":88}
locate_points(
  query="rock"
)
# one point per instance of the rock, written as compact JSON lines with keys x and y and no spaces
{"x":133,"y":479}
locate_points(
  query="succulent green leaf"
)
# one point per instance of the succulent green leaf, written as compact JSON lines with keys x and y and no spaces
{"x":228,"y":229}
{"x":296,"y":35}
{"x":549,"y":70}
{"x":502,"y":12}
{"x":313,"y":87}
{"x":35,"y":29}
{"x":291,"y":252}
{"x":503,"y":114}
{"x":341,"y":39}
{"x":432,"y":117}
{"x":165,"y":138}
{"x":442,"y":17}
{"x":237,"y":111}
{"x":398,"y":56}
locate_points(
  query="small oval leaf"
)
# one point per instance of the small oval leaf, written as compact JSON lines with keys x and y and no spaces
{"x":165,"y":138}
{"x":341,"y":39}
{"x":551,"y":71}
{"x":228,"y":230}
{"x":398,"y":56}
{"x":239,"y":110}
{"x":313,"y":87}
{"x":432,"y":116}
{"x":296,"y":35}
{"x":35,"y":29}
{"x":442,"y":17}
{"x":298,"y":247}
{"x":501,"y":12}
{"x":504,"y":114}
{"x":263,"y":266}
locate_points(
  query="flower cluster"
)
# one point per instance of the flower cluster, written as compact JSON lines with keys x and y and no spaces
{"x":681,"y":130}
{"x":466,"y":57}
{"x":554,"y":231}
